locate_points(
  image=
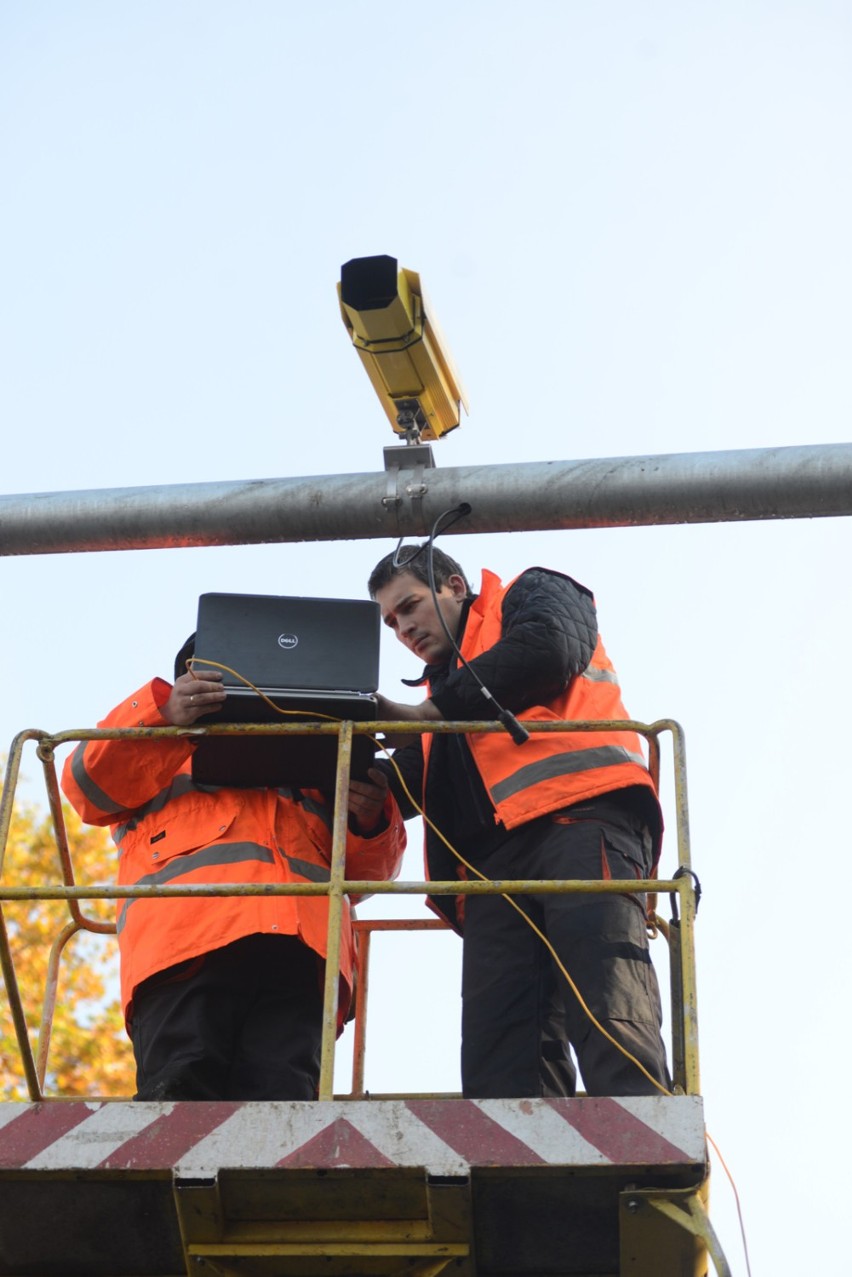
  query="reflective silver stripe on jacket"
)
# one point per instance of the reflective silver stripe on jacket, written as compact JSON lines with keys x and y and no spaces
{"x":320,"y":810}
{"x":307,"y":868}
{"x":218,"y":854}
{"x":182,"y":784}
{"x":600,"y":676}
{"x":93,"y":792}
{"x":231,"y":853}
{"x":568,"y":763}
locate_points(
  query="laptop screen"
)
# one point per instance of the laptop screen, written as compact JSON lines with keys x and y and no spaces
{"x":313,"y":659}
{"x":290,"y":644}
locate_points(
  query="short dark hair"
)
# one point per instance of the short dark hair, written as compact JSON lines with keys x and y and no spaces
{"x":414,"y":559}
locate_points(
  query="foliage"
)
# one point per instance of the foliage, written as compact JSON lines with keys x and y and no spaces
{"x":89,"y":1051}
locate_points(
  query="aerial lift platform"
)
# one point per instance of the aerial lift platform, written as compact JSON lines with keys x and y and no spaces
{"x":359,"y":1185}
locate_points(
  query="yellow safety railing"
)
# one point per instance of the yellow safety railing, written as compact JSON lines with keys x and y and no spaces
{"x":681,"y":886}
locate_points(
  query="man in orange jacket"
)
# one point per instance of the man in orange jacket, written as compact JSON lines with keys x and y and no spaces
{"x":559,"y":806}
{"x":222,"y":997}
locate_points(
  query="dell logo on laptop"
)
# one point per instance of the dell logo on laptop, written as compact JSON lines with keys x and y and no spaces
{"x":288,"y":641}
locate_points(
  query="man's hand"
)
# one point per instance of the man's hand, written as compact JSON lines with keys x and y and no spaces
{"x":425,"y":712}
{"x":192,"y":696}
{"x":367,"y":801}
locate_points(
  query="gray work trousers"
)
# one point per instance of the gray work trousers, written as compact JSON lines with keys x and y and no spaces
{"x":518,"y":1011}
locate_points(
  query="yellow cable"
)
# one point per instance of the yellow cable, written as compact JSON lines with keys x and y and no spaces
{"x":296,"y":713}
{"x":731,"y":1181}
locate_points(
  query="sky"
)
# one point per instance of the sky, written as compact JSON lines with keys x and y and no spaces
{"x":633,"y":222}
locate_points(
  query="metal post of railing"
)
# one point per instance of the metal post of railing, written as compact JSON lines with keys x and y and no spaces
{"x":337,"y":878}
{"x":10,"y":785}
{"x":13,"y":993}
{"x":362,"y":933}
{"x":686,"y":926}
{"x":690,"y":1009}
{"x":50,"y":991}
{"x":45,"y":753}
{"x":19,"y":1019}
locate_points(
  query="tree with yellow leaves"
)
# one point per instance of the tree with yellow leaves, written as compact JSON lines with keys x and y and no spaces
{"x":89,"y":1051}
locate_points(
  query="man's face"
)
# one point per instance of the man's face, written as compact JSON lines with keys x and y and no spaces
{"x":408,"y":608}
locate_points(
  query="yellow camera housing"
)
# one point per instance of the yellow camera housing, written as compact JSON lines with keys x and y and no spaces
{"x":393,"y":329}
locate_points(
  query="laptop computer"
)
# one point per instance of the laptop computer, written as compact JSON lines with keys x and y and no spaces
{"x":314,"y":658}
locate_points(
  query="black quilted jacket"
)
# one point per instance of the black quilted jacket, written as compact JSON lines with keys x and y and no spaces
{"x":549,"y":636}
{"x":550,"y":630}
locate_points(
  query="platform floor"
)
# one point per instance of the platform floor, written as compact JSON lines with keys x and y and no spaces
{"x":491,"y":1188}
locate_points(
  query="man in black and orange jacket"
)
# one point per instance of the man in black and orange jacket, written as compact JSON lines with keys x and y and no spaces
{"x":561,"y":805}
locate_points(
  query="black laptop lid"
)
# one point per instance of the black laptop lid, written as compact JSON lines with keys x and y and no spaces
{"x":313,"y":658}
{"x":291,"y":644}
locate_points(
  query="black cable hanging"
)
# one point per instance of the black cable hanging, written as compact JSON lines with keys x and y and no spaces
{"x":515,"y":729}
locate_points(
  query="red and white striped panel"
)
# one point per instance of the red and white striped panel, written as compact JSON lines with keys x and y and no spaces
{"x":446,"y":1137}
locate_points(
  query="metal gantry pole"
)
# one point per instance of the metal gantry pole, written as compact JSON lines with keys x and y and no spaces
{"x":813,"y":481}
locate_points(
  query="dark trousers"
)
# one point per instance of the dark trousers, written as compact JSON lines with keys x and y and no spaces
{"x":518,"y":1011}
{"x":242,"y":1023}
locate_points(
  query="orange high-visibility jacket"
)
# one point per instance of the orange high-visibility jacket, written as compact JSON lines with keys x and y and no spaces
{"x":551,"y":770}
{"x":168,"y":831}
